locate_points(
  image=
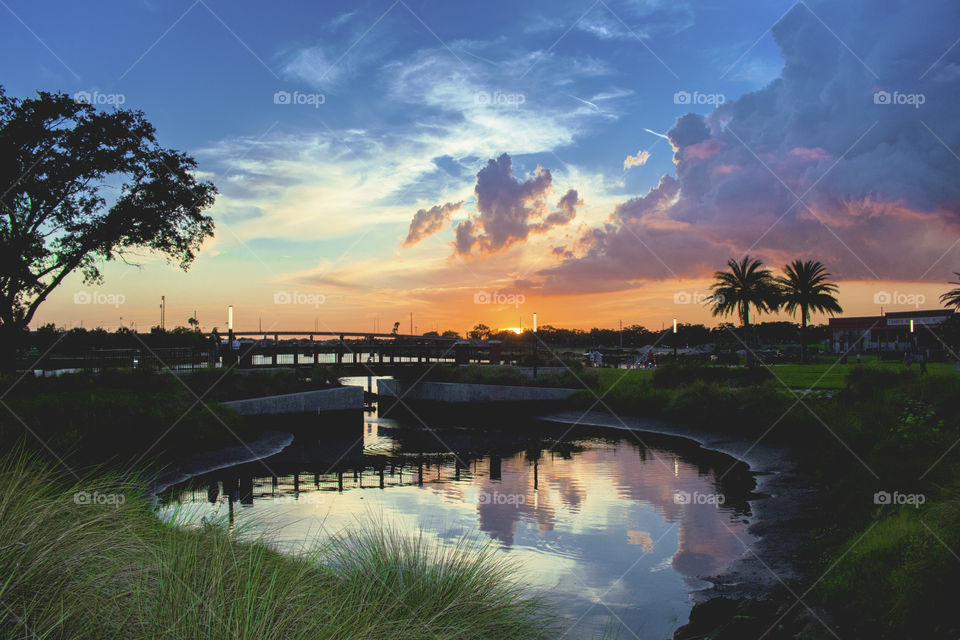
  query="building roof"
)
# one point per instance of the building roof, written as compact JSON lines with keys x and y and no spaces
{"x":891,"y":319}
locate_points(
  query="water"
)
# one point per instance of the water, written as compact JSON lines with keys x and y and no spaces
{"x":599,"y":520}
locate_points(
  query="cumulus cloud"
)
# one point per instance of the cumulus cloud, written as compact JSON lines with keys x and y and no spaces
{"x":812,"y":165}
{"x":427,"y":222}
{"x":510,"y":209}
{"x":566,"y":210}
{"x":637,"y":160}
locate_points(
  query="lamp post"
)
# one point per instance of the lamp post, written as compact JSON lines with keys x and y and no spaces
{"x":674,"y":338}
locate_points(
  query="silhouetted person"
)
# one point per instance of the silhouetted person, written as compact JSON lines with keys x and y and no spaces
{"x":923,"y":363}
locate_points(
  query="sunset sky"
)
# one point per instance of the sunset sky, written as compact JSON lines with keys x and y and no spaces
{"x":477,"y":162}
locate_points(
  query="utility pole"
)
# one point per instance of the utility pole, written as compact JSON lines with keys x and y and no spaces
{"x":411,"y":323}
{"x":535,"y":345}
{"x":621,"y":334}
{"x":163,"y":311}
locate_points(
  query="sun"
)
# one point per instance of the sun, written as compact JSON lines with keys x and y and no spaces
{"x":516,"y":330}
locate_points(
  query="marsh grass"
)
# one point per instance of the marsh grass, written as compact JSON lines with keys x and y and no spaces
{"x":111,"y":570}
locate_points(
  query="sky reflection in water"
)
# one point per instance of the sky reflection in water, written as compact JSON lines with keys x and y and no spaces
{"x":596,"y":521}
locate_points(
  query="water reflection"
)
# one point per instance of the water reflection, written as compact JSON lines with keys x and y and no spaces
{"x":614,"y":529}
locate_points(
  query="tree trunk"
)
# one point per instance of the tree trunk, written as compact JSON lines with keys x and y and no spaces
{"x":803,"y":335}
{"x":11,"y":338}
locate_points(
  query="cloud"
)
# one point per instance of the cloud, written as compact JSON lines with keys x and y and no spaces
{"x":567,"y":211}
{"x":510,"y":209}
{"x":636,"y":19}
{"x":877,"y":181}
{"x":427,"y":222}
{"x":314,"y":66}
{"x":637,"y":160}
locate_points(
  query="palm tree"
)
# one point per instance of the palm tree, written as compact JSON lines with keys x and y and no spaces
{"x":952,"y":298}
{"x":747,"y":284}
{"x":805,"y":286}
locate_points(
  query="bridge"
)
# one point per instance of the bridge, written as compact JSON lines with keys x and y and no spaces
{"x":351,"y":352}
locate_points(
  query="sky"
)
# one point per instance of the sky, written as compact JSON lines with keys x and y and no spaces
{"x":593,"y":162}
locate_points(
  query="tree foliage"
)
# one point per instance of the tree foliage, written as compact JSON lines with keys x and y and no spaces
{"x":746,"y":285}
{"x":81,"y":187}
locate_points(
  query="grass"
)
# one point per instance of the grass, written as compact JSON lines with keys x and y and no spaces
{"x":813,"y":376}
{"x":120,"y":414}
{"x":900,"y":573}
{"x":70,"y":570}
{"x":819,"y":376}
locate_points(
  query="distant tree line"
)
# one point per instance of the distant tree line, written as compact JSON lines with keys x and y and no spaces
{"x":636,"y":336}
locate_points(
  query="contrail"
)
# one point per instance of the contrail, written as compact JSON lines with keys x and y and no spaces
{"x":662,"y":135}
{"x":586,"y":102}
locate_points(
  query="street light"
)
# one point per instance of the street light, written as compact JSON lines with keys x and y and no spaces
{"x":674,"y":338}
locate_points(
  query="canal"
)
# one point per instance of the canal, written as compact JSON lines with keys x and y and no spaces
{"x":616,"y":529}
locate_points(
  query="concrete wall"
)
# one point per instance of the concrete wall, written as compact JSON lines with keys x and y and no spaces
{"x":338,"y":399}
{"x":467,"y":393}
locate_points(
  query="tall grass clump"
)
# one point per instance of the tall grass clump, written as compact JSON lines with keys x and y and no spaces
{"x":86,"y":558}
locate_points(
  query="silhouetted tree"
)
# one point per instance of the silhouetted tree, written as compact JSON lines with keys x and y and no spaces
{"x":480,"y":332}
{"x":747,"y":284}
{"x":952,"y":298}
{"x":805,"y":286}
{"x":79,"y":187}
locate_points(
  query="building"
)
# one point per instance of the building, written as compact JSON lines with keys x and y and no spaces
{"x":892,"y":331}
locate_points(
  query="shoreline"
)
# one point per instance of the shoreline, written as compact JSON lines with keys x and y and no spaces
{"x":269,"y":443}
{"x":782,"y":498}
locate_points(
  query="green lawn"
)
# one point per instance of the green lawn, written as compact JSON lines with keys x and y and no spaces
{"x":795,"y":376}
{"x":834,"y":376}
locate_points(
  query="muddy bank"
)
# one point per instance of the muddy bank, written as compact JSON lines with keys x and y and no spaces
{"x":783,"y":507}
{"x":268,"y":444}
